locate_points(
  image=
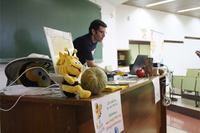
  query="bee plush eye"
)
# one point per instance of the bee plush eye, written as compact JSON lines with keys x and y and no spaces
{"x":43,"y":77}
{"x":77,"y":62}
{"x":39,"y":73}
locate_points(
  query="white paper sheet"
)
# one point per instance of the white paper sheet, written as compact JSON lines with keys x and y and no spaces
{"x":107,"y":114}
{"x":156,"y":84}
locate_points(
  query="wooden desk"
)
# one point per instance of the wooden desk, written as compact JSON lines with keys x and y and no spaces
{"x":54,"y":114}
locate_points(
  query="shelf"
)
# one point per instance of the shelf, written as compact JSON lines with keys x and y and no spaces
{"x":123,"y":57}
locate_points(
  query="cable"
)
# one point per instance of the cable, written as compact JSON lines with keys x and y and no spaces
{"x":171,"y":88}
{"x":166,"y":101}
{"x":13,"y":104}
{"x":167,"y":68}
{"x":43,"y":89}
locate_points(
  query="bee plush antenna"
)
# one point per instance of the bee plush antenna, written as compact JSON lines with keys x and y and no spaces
{"x":66,"y":49}
{"x":75,"y":51}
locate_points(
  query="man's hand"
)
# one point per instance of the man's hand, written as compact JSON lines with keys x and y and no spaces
{"x":198,"y":53}
{"x":116,"y":71}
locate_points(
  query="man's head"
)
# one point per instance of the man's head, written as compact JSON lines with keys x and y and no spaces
{"x":97,"y":29}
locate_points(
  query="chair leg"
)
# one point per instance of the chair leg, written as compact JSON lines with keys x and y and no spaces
{"x":170,"y":92}
{"x":197,"y":100}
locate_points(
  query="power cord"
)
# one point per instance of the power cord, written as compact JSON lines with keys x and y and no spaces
{"x":52,"y":91}
{"x":172,"y":87}
{"x":166,"y":101}
{"x":171,"y":98}
{"x":160,"y":65}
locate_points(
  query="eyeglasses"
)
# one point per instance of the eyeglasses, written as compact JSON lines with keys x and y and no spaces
{"x":102,"y":32}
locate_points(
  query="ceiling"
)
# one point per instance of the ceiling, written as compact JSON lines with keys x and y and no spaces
{"x":171,"y":7}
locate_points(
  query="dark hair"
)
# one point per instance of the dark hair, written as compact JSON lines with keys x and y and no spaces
{"x":95,"y":25}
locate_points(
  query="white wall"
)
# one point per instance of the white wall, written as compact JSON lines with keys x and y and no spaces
{"x":129,"y":20}
{"x":178,"y":57}
{"x":2,"y":77}
{"x":109,"y":42}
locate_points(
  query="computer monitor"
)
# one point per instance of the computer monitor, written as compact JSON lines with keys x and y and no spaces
{"x":139,"y":63}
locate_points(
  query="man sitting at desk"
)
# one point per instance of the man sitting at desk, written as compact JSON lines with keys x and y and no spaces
{"x":86,"y":44}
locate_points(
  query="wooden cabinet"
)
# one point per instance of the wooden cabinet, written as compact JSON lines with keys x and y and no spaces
{"x":123,"y":56}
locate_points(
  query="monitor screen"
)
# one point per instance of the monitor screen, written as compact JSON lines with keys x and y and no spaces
{"x":139,"y":63}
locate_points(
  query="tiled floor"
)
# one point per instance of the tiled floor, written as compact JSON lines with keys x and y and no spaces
{"x":186,"y":103}
{"x":171,"y":129}
{"x":178,"y":123}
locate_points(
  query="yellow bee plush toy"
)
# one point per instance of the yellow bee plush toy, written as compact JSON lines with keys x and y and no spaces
{"x":71,"y":67}
{"x":34,"y":77}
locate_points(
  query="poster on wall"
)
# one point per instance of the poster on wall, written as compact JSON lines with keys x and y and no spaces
{"x":107,"y":114}
{"x":157,"y":46}
{"x":57,"y":42}
{"x":144,"y":33}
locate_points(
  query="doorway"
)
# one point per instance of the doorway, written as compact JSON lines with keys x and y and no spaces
{"x":138,"y":47}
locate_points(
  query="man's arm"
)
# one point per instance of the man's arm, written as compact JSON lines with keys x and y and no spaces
{"x":91,"y":63}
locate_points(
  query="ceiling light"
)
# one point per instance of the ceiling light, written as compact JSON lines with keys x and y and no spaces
{"x":190,"y":9}
{"x":158,"y":3}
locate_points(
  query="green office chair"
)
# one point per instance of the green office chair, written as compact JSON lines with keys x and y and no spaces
{"x":176,"y":81}
{"x":188,"y":83}
{"x":176,"y":84}
{"x":192,"y":72}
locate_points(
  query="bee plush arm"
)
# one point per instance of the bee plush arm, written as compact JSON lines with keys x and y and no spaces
{"x":69,"y":79}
